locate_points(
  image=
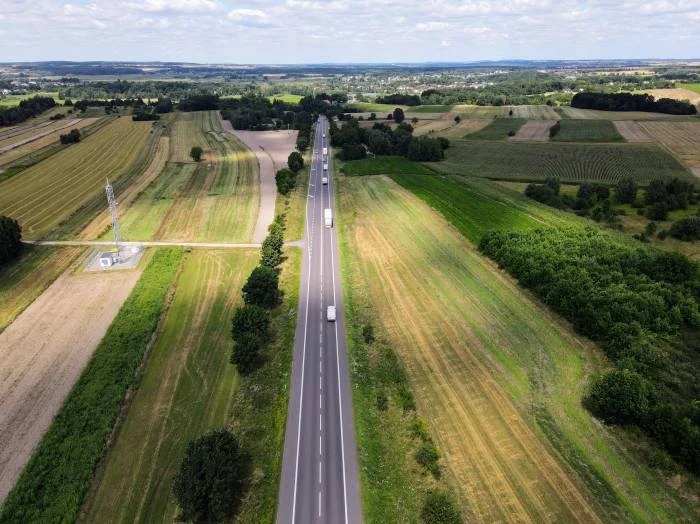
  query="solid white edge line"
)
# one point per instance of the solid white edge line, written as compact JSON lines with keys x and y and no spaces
{"x":303,"y":361}
{"x":337,"y":355}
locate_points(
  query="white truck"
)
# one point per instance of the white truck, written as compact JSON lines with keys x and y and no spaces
{"x":328,"y":217}
{"x":324,"y":180}
{"x":330,"y":314}
{"x":325,"y":151}
{"x":325,"y":167}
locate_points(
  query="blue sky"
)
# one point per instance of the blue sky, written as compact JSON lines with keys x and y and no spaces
{"x":311,"y":31}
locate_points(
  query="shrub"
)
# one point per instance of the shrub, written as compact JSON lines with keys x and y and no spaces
{"x":626,"y":191}
{"x":250,"y":329}
{"x":295,"y":161}
{"x":262,"y":288}
{"x":10,"y":239}
{"x":440,"y":508}
{"x":554,"y":129}
{"x":621,"y":396}
{"x":196,"y":153}
{"x":352,"y":152}
{"x":657,"y":211}
{"x":73,"y":137}
{"x":687,"y":229}
{"x":444,"y":142}
{"x":427,"y":456}
{"x":286,"y":179}
{"x":212,"y":478}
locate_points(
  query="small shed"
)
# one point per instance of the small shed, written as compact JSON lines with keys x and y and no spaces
{"x":106,"y":259}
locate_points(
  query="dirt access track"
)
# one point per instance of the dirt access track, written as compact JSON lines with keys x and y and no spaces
{"x":42,"y":354}
{"x":271,"y":149}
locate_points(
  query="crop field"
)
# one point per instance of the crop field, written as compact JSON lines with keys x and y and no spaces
{"x":631,"y":131}
{"x":534,"y":130}
{"x":677,"y":94}
{"x":44,"y":351}
{"x":447,"y":127}
{"x":53,"y":137}
{"x":49,"y":192}
{"x":380,"y":109}
{"x":542,"y":112}
{"x":26,"y":278}
{"x":385,"y":165}
{"x":479,"y":112}
{"x":215,"y":200}
{"x":587,"y":131}
{"x":681,"y":138}
{"x":13,"y":139}
{"x":187,"y":389}
{"x":497,"y":376}
{"x":498,"y":129}
{"x":571,"y":162}
{"x":14,"y":100}
{"x":286,"y":97}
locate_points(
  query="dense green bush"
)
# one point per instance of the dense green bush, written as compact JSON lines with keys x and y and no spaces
{"x":212,"y":479}
{"x":10,"y":239}
{"x":250,"y":328}
{"x":271,"y":252}
{"x":427,"y":456}
{"x":632,"y":300}
{"x":626,"y":191}
{"x":440,"y":508}
{"x":57,"y":477}
{"x":286,"y":179}
{"x":687,"y":229}
{"x":295,"y":161}
{"x":262,"y":288}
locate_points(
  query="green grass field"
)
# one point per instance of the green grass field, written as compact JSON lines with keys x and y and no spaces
{"x":429,"y":109}
{"x":14,"y":100}
{"x":187,"y":388}
{"x":381,"y":109}
{"x":571,"y":162}
{"x":587,"y":131}
{"x":44,"y":195}
{"x":692,"y":87}
{"x":499,"y":129}
{"x":56,"y":479}
{"x":384,"y":165}
{"x":286,"y":97}
{"x":26,"y":278}
{"x":494,"y":372}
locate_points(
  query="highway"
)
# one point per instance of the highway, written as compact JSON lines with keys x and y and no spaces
{"x":319,"y":480}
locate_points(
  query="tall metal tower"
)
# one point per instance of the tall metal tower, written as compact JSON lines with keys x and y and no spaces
{"x":113,"y":212}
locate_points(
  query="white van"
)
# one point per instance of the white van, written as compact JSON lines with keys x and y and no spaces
{"x":328,"y":217}
{"x":325,"y":167}
{"x":324,"y":180}
{"x":330,"y":314}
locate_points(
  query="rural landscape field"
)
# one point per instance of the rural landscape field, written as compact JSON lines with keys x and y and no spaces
{"x":399,"y":279}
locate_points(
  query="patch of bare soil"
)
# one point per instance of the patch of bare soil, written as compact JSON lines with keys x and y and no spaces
{"x":42,"y":354}
{"x":534,"y":130}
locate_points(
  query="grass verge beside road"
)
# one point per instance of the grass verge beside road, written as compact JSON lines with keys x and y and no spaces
{"x":55,"y":481}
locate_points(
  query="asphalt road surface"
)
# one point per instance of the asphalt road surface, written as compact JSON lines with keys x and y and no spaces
{"x":319,"y":480}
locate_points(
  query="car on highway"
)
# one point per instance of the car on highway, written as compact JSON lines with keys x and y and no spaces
{"x":330,"y":314}
{"x":324,"y":180}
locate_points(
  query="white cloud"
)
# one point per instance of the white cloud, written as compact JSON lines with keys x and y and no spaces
{"x":183,"y":6}
{"x":99,"y":24}
{"x":432,"y":26}
{"x":244,"y":15}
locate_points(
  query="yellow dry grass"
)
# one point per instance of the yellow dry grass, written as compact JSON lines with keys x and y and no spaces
{"x":186,"y":132}
{"x":49,"y":192}
{"x":674,"y":93}
{"x":451,"y":315}
{"x":17,"y":153}
{"x":102,"y":222}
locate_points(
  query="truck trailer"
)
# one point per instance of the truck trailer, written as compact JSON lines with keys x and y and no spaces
{"x":328,"y":217}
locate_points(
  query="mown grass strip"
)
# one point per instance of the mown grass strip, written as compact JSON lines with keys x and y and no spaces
{"x":473,"y":214}
{"x":56,"y":479}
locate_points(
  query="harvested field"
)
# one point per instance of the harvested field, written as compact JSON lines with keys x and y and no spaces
{"x":681,"y":138}
{"x":40,"y":140}
{"x":187,"y":389}
{"x":102,"y":222}
{"x":215,"y":200}
{"x":534,"y":130}
{"x":20,"y":138}
{"x":26,"y":278}
{"x":594,"y":114}
{"x":676,"y":94}
{"x":606,"y":163}
{"x":451,"y":316}
{"x":448,"y":128}
{"x":542,"y":112}
{"x":631,"y":131}
{"x":43,"y":353}
{"x":479,"y":112}
{"x":49,"y":192}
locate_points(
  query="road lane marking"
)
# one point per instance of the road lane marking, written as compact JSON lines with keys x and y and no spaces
{"x":303,"y":360}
